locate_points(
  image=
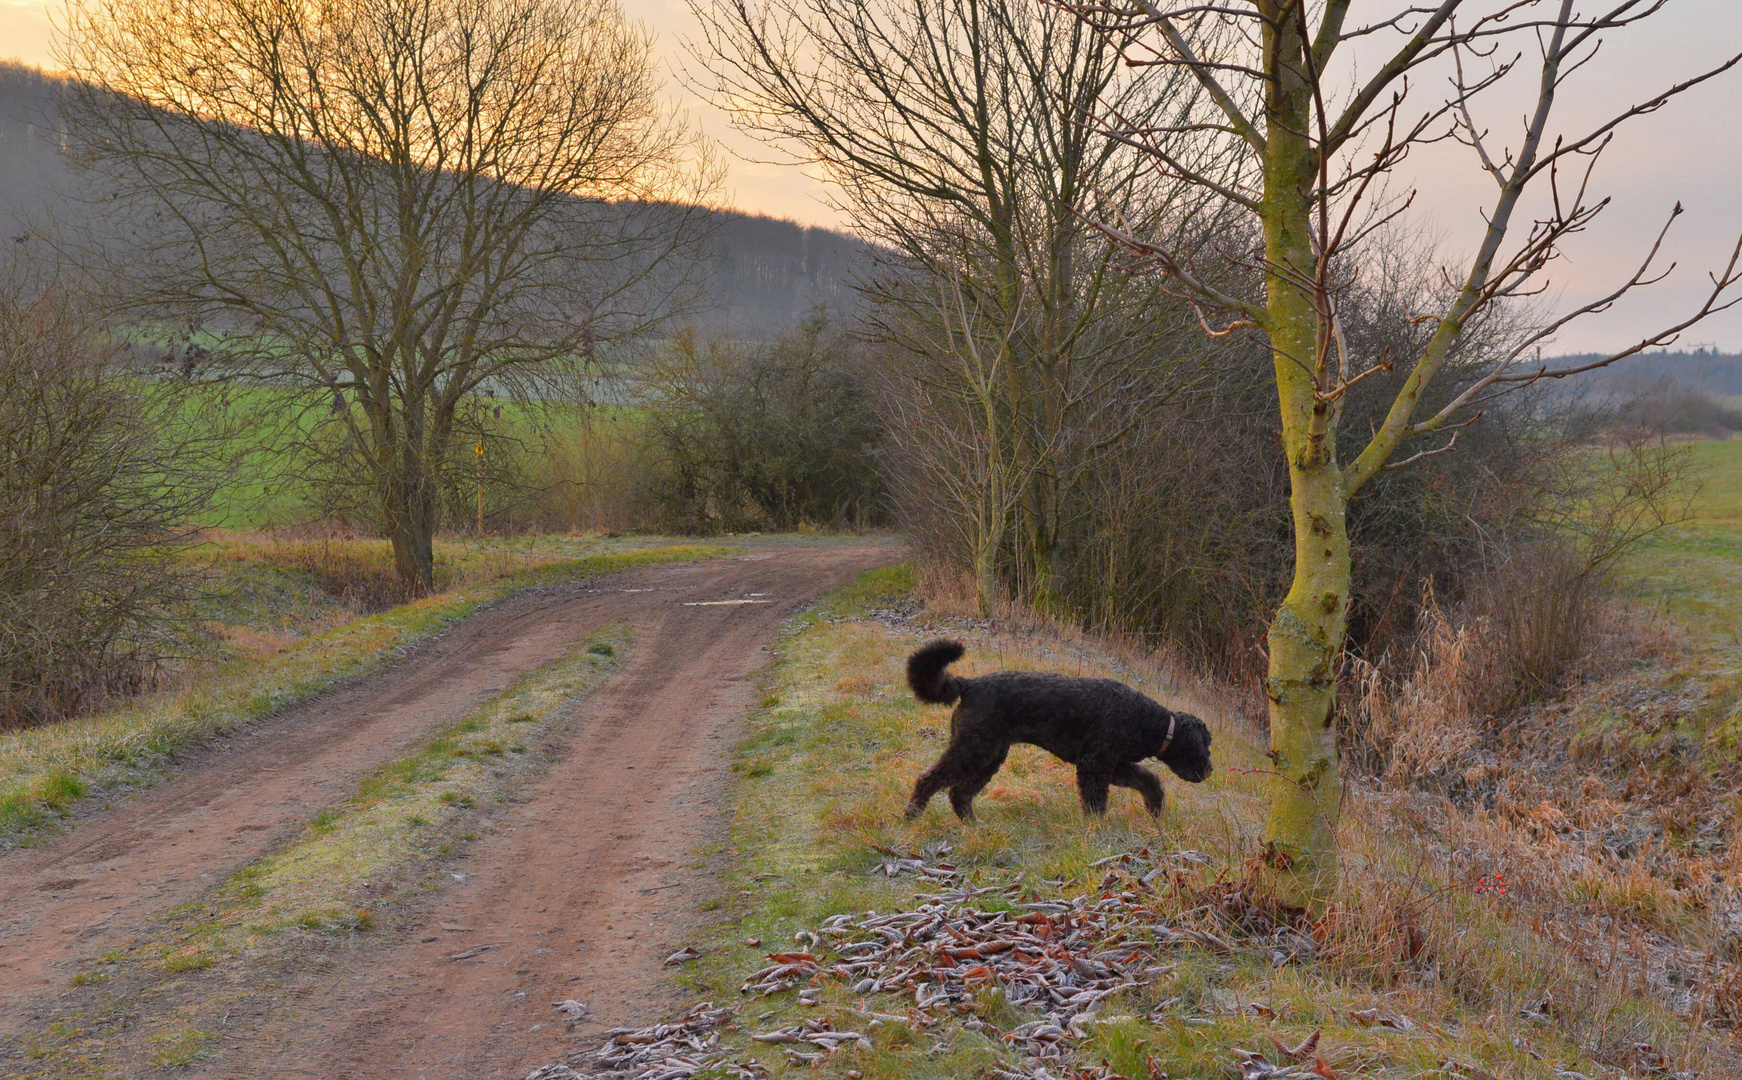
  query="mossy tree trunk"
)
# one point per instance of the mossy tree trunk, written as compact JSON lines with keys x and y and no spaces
{"x":1307,"y":632}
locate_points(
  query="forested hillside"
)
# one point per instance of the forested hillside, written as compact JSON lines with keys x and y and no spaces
{"x":33,"y":162}
{"x":768,"y":274}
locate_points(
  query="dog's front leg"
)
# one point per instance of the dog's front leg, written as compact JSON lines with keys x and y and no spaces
{"x":962,"y":802}
{"x":1145,"y":782}
{"x":1092,"y":783}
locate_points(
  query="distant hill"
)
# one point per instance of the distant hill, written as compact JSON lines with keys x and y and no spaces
{"x":768,"y":274}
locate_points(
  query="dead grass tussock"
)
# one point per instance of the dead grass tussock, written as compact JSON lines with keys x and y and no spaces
{"x":1430,"y":722}
{"x":1610,"y":820}
{"x":1495,"y":984}
{"x":1538,"y":631}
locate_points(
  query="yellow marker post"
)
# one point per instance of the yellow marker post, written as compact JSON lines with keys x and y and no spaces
{"x":479,"y":450}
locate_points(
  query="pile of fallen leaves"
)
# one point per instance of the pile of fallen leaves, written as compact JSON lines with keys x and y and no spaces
{"x":660,"y":1052}
{"x":1061,"y":959}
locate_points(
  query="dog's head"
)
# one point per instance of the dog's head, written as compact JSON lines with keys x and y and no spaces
{"x":1188,"y":754}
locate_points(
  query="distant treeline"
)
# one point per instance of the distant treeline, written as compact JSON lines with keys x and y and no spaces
{"x":768,"y":274}
{"x":1705,"y":371}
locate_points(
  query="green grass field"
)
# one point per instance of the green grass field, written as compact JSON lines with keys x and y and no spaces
{"x":257,"y":494}
{"x":263,"y":490}
{"x":1693,"y":570}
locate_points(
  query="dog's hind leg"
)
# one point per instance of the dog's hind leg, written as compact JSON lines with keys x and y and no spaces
{"x":930,"y":782}
{"x":1130,"y":775}
{"x":965,"y":768}
{"x":955,"y":767}
{"x":1092,"y":786}
{"x":973,"y":782}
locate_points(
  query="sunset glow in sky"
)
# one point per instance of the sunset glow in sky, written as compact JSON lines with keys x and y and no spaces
{"x":1691,"y":151}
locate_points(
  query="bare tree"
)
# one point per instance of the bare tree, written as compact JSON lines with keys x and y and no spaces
{"x":1324,"y":137}
{"x":952,"y":425}
{"x":946,"y":127}
{"x":399,"y":203}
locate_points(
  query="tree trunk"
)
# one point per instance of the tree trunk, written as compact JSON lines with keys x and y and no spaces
{"x":1305,"y":639}
{"x":987,"y":543}
{"x":409,"y":511}
{"x":1306,"y":635}
{"x":1040,"y":541}
{"x":992,"y":516}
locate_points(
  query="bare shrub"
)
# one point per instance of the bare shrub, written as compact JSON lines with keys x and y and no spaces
{"x":586,"y":477}
{"x":775,"y":436}
{"x":1527,"y":620}
{"x":1175,"y":527}
{"x":1532,"y":618}
{"x":1179,"y":531}
{"x":1541,"y":601}
{"x":1523,"y":630}
{"x":1663,"y":406}
{"x":101,"y":475}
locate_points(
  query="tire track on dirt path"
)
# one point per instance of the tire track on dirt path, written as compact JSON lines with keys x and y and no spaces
{"x":100,"y":885}
{"x":580,"y":887}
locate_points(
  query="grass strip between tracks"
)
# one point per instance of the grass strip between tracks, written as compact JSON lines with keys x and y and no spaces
{"x":336,"y":875}
{"x":46,"y":772}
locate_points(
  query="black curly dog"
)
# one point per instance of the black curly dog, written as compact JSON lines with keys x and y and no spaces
{"x":1102,"y":727}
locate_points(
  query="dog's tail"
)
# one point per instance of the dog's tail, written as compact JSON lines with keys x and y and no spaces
{"x":925,"y":672}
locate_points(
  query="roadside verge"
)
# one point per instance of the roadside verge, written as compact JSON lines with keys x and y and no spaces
{"x":1040,"y":943}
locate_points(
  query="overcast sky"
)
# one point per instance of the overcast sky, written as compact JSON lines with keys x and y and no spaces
{"x":1691,"y":151}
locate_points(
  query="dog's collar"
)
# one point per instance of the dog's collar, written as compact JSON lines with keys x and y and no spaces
{"x":1167,"y":742}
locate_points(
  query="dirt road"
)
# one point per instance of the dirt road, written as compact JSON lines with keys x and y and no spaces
{"x":572,"y":887}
